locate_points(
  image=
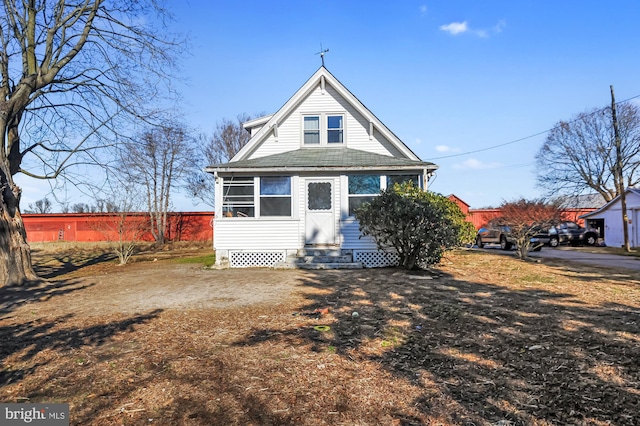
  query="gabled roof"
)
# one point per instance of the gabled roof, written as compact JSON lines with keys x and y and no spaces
{"x":321,"y":77}
{"x":454,"y":197}
{"x":323,"y":159}
{"x":634,"y":191}
{"x":256,"y":121}
{"x":582,"y":201}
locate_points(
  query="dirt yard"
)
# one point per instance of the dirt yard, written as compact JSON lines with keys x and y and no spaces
{"x":482,"y":340}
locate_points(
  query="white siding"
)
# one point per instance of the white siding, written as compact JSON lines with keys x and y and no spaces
{"x":613,"y":231}
{"x":350,"y":232}
{"x":356,"y":128}
{"x":612,"y":215}
{"x":256,"y":234}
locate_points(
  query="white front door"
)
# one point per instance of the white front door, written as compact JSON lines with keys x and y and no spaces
{"x":320,"y":212}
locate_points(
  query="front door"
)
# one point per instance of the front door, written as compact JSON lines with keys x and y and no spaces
{"x":320,"y":219}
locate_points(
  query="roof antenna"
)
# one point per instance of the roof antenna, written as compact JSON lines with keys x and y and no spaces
{"x":321,"y":53}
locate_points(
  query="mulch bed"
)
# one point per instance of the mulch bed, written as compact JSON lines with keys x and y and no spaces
{"x":482,"y":340}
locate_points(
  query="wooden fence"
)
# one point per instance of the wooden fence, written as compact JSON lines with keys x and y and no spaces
{"x":188,"y":226}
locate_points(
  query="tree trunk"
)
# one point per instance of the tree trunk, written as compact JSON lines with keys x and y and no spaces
{"x":15,"y":254}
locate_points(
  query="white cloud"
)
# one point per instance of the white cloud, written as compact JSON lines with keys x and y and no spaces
{"x":474,"y":164}
{"x":499,"y":26}
{"x":418,"y":141}
{"x":445,"y":148}
{"x":455,"y":28}
{"x":423,"y":9}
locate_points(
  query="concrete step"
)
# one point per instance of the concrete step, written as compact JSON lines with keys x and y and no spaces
{"x":320,"y":252}
{"x":329,"y":265}
{"x":324,"y":259}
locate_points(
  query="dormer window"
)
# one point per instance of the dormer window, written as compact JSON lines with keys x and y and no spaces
{"x":323,"y":129}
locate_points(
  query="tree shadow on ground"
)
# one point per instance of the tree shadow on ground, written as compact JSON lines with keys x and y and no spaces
{"x":12,"y":297}
{"x":28,"y":339}
{"x":103,"y":364}
{"x":56,"y":265}
{"x":517,"y":355}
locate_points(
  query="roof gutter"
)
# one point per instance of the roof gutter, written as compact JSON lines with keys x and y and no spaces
{"x":220,"y":170}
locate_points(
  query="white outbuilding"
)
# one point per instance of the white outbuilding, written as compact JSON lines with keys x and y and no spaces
{"x":608,"y":219}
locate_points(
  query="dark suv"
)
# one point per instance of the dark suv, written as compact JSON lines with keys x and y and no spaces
{"x":572,"y":233}
{"x":500,"y":234}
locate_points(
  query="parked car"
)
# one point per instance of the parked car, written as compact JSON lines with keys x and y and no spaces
{"x":568,"y":232}
{"x":500,"y":235}
{"x":494,"y":235}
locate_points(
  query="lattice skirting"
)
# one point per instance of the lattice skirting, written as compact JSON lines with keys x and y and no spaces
{"x":246,"y":259}
{"x":376,"y":258}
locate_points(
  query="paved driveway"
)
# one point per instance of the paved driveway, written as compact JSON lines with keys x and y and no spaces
{"x":608,"y":260}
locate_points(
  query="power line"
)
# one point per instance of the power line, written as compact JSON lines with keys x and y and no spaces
{"x":526,"y":137}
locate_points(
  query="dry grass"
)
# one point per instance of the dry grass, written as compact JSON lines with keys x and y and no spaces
{"x":484,"y":339}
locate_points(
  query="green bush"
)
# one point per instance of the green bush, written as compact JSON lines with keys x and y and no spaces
{"x":420,"y":225}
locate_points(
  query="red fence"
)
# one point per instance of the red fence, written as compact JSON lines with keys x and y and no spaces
{"x":189,"y":226}
{"x":480,"y":217}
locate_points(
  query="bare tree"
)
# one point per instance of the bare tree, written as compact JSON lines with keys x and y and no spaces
{"x":72,"y":75}
{"x":40,"y":206}
{"x":525,"y":219}
{"x":580,"y":155}
{"x":159,"y":161}
{"x":108,"y":205}
{"x":81,"y":208}
{"x":228,"y":138}
{"x":124,"y":229}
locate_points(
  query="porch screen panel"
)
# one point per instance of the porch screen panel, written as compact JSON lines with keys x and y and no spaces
{"x":362,"y":189}
{"x":238,"y":198}
{"x":400,"y":179}
{"x":275,"y":196}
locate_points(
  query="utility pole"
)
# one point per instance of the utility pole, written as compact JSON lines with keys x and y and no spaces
{"x":618,"y":176}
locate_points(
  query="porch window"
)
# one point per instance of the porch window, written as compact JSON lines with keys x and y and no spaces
{"x":238,"y":198}
{"x":393,"y":179}
{"x":362,"y":189}
{"x":335,"y":129}
{"x":275,"y":196}
{"x":312,"y":130}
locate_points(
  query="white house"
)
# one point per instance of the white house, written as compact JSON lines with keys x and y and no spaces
{"x":608,"y":219}
{"x":295,"y":184}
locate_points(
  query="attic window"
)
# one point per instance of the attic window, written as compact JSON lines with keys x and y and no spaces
{"x":334,"y":129}
{"x":311,"y":130}
{"x":323,"y":129}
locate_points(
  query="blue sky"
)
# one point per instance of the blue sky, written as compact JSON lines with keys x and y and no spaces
{"x":447,"y":77}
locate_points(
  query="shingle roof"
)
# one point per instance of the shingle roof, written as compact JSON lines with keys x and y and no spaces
{"x":323,"y":158}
